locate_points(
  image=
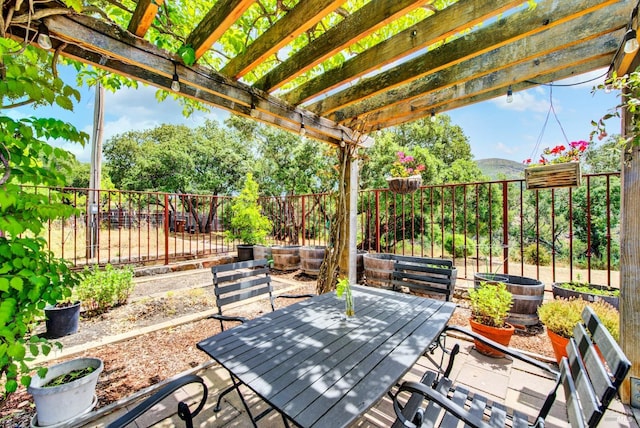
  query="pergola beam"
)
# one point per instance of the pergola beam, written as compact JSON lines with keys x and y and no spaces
{"x":446,"y":23}
{"x":520,"y":25}
{"x":143,"y":16}
{"x":350,"y":30}
{"x":514,"y":63}
{"x":114,"y":44}
{"x":215,"y":23}
{"x":302,"y":17}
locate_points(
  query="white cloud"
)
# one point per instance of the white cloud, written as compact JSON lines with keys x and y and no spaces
{"x":529,"y":100}
{"x":507,"y":150}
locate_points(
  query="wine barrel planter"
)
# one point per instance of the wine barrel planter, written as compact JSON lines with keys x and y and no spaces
{"x":311,"y":258}
{"x":360,"y":266}
{"x":565,"y":293}
{"x":261,"y":252}
{"x":528,"y":294}
{"x":286,"y":257}
{"x":378,"y":269}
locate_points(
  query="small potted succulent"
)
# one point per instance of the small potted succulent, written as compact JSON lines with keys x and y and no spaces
{"x":490,"y":304}
{"x":560,"y":316}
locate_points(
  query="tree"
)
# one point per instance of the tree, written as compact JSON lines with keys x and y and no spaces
{"x":604,"y":158}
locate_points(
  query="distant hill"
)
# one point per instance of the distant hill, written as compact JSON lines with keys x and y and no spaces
{"x":492,"y":167}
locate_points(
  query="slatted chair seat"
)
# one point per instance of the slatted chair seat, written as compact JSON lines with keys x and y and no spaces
{"x":238,"y":282}
{"x":589,"y":383}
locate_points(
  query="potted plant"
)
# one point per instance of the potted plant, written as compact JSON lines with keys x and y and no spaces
{"x":557,"y":167}
{"x":490,"y":304}
{"x":405,"y":174}
{"x":65,"y":391}
{"x":62,"y":318}
{"x":586,"y":291}
{"x":248,"y":225}
{"x":560,"y":317}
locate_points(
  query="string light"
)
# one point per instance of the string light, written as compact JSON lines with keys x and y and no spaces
{"x":630,"y":41}
{"x":44,"y":41}
{"x":433,"y":115}
{"x":303,"y":130}
{"x":253,"y":112}
{"x":509,"y":94}
{"x":175,"y":83}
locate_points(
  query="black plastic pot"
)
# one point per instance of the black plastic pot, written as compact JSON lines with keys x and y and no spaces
{"x":245,"y":252}
{"x":62,"y":321}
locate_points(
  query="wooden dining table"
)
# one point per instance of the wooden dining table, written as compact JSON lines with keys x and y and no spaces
{"x":319,"y":369}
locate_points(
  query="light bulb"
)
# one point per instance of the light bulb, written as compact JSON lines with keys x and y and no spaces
{"x":433,"y":116}
{"x":631,"y":42}
{"x":175,"y":83}
{"x":509,"y":95}
{"x":44,"y":41}
{"x":253,"y":112}
{"x":303,"y":130}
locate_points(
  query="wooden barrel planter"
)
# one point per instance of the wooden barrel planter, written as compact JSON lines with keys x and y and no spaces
{"x":565,"y":293}
{"x":378,"y":269}
{"x":261,"y":252}
{"x":311,"y":259}
{"x":528,"y":294}
{"x":286,"y":257}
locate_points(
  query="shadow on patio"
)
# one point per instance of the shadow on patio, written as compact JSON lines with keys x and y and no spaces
{"x":515,"y":384}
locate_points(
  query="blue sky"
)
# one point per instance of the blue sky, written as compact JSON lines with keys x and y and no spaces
{"x":495,"y":128}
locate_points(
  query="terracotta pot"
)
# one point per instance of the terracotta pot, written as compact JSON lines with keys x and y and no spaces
{"x":559,"y":344}
{"x":500,"y":335}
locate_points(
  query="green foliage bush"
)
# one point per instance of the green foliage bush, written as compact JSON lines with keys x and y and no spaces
{"x":100,"y":290}
{"x":461,"y":249}
{"x":562,"y":315}
{"x":247,"y":222}
{"x":490,"y":304}
{"x":534,"y":254}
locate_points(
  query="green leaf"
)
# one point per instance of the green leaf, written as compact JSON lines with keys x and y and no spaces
{"x":16,"y":351}
{"x":25,"y":380}
{"x":64,"y":102}
{"x":188,"y":54}
{"x":16,"y":283}
{"x":11,"y":386}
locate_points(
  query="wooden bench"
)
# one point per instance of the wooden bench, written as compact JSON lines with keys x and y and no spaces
{"x":425,"y":275}
{"x":590,"y":378}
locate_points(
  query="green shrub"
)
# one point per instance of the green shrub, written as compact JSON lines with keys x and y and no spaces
{"x":534,"y":257}
{"x":490,"y":304}
{"x":561,"y":316}
{"x":100,"y":290}
{"x":461,"y":249}
{"x":248,"y":223}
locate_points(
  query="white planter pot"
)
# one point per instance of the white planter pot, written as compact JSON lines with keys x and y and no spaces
{"x":62,"y":403}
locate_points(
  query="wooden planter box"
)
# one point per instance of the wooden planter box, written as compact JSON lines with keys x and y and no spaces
{"x":404,"y":184}
{"x":553,"y":176}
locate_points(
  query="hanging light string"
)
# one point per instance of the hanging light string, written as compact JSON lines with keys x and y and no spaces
{"x":546,"y":121}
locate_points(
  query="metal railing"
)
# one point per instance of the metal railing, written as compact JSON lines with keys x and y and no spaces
{"x":562,"y":234}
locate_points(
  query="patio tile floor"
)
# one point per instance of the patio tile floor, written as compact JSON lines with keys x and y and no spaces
{"x":515,"y":384}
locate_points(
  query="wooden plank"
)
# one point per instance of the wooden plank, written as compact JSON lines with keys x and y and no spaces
{"x":595,"y":53}
{"x":458,"y":99}
{"x":446,"y":23}
{"x":107,"y":46}
{"x":218,"y":20}
{"x":298,"y":20}
{"x":143,"y":16}
{"x":354,"y":27}
{"x":518,"y":26}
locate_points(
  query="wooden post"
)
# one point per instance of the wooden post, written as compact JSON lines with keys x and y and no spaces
{"x":347,"y":262}
{"x":630,"y":261}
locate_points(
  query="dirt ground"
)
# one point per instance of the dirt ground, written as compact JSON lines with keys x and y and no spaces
{"x":142,"y":361}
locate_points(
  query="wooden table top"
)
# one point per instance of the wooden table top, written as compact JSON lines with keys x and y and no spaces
{"x":320,"y":370}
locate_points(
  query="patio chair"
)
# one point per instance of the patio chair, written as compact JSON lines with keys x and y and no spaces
{"x":590,"y":377}
{"x":183,"y":408}
{"x":237,"y":282}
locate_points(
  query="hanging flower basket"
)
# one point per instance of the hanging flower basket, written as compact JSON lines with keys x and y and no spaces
{"x":404,"y":185}
{"x":553,"y":176}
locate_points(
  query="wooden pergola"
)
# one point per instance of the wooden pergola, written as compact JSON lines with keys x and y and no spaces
{"x":341,"y":69}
